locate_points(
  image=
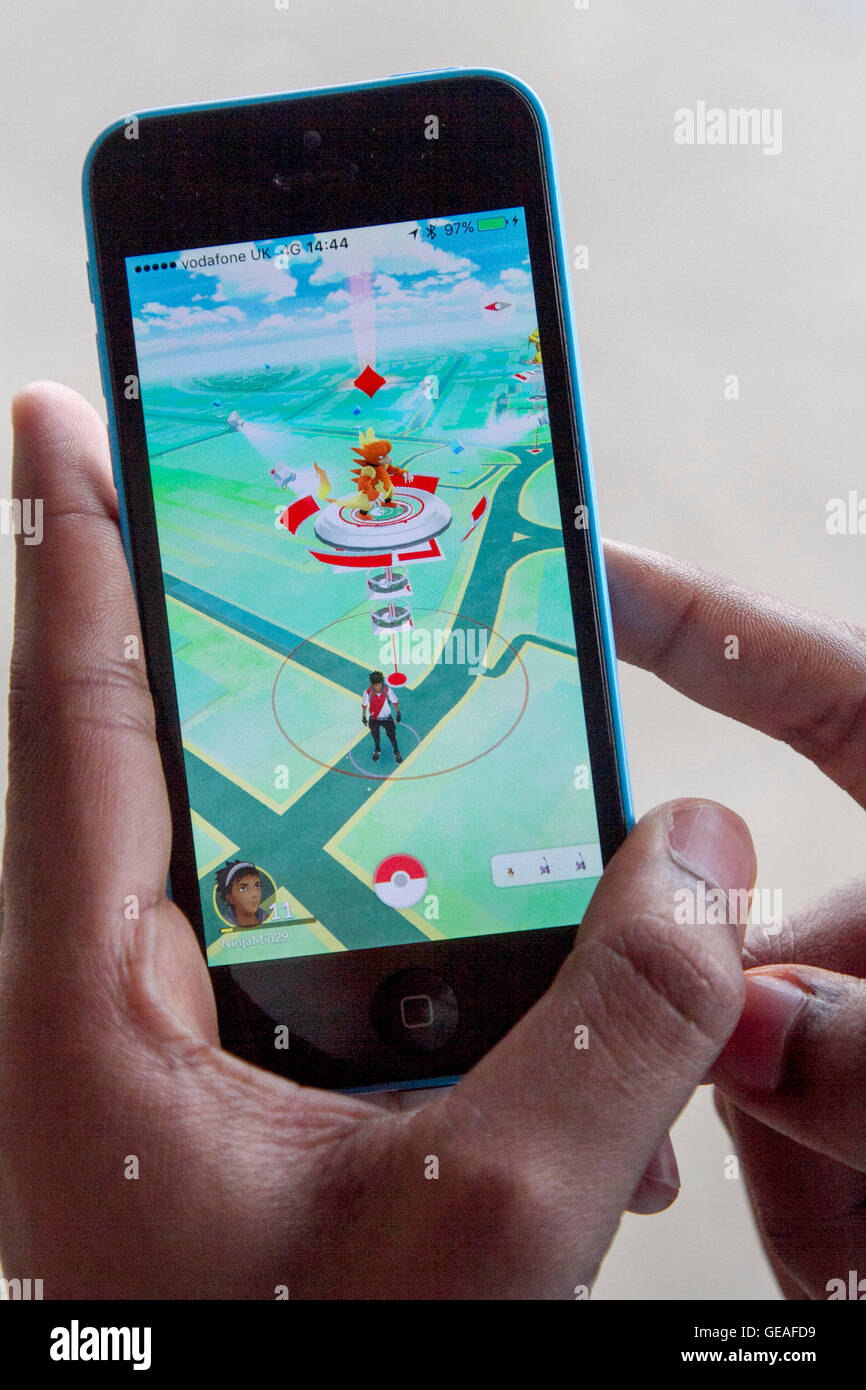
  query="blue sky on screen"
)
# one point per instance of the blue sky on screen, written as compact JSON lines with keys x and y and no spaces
{"x":386,"y":293}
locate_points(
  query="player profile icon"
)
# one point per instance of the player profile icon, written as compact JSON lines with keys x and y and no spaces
{"x":239,"y":891}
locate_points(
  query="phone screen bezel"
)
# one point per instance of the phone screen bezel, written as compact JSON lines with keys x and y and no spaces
{"x":242,"y":172}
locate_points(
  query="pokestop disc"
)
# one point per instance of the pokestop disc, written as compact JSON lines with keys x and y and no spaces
{"x":400,"y":880}
{"x":417,"y":517}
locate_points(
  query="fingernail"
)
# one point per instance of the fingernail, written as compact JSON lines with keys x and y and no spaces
{"x":754,"y":1058}
{"x":713,"y":844}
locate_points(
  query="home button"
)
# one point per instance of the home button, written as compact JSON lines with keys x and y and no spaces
{"x":415,"y":1011}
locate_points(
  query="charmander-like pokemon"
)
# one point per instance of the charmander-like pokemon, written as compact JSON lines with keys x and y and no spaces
{"x":372,"y":475}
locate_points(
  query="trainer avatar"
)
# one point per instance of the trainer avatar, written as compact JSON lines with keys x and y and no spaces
{"x":384,"y":709}
{"x":239,"y":886}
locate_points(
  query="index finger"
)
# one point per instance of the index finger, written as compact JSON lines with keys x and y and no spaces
{"x":799,"y":676}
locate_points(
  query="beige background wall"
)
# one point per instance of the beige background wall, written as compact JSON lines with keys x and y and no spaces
{"x":702,"y":262}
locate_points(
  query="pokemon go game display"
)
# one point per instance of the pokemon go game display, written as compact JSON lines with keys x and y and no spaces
{"x":371,"y":627}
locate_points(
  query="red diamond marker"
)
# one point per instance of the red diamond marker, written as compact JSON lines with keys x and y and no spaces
{"x":369,"y":382}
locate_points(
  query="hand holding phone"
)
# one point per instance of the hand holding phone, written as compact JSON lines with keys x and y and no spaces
{"x":351,"y":458}
{"x":249,"y":1186}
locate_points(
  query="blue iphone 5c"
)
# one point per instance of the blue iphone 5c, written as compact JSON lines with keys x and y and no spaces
{"x":348,"y":437}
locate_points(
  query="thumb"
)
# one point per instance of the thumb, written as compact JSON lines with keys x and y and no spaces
{"x":578,"y":1097}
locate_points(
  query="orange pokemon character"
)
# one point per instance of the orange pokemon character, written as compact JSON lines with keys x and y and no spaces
{"x":371,"y":476}
{"x":373,"y":473}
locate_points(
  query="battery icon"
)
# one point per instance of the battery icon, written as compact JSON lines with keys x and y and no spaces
{"x":490,"y":224}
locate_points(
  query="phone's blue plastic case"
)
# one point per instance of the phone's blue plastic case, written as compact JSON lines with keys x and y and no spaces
{"x":562,"y":266}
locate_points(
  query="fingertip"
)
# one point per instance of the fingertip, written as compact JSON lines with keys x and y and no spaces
{"x":659,"y":1187}
{"x":652,"y":1198}
{"x":31,"y":399}
{"x":706,"y":838}
{"x":712,"y":842}
{"x":754,"y":1056}
{"x":59,"y":440}
{"x":46,"y":409}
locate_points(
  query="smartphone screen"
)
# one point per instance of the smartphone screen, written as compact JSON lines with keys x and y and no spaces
{"x":362,"y":548}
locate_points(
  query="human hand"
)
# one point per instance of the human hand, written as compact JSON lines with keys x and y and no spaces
{"x":398,"y":717}
{"x":791,"y":1084}
{"x":110,"y":1056}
